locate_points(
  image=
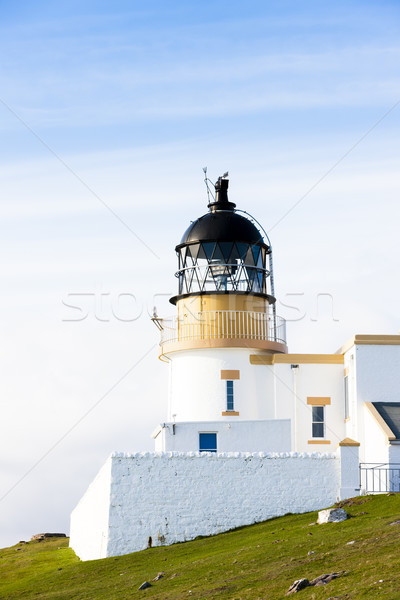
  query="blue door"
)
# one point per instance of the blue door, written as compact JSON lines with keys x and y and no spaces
{"x":207,"y":442}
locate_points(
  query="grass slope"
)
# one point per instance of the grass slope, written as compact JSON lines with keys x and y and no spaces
{"x":255,"y":562}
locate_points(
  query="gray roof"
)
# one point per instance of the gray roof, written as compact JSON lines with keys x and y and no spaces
{"x":390,"y":413}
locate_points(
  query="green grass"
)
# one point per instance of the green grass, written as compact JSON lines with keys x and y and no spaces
{"x":255,"y":562}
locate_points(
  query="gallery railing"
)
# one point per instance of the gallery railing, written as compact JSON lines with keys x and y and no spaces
{"x":223,"y":324}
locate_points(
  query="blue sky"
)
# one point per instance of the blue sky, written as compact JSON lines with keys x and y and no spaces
{"x":120,"y":106}
{"x":117,"y":75}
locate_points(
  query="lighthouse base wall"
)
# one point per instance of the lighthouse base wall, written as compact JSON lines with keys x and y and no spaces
{"x":250,"y":436}
{"x":162,"y":498}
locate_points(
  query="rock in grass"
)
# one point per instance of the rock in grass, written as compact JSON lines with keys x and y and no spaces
{"x":43,"y":536}
{"x":324,"y":579}
{"x":298,"y":585}
{"x":145,"y":585}
{"x":332,"y":515}
{"x":159,"y":576}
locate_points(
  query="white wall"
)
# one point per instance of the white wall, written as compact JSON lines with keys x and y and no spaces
{"x":377,"y":380}
{"x":232,"y":436}
{"x":292,"y":387}
{"x":394,"y":455}
{"x":175,"y":497}
{"x":378,"y":373}
{"x":352,"y":422}
{"x":89,"y":530}
{"x":263,"y":392}
{"x":326,"y":380}
{"x":349,"y":471}
{"x":197,"y":392}
{"x":377,"y":448}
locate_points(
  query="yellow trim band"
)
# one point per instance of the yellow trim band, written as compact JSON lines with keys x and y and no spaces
{"x":230,"y":374}
{"x":223,"y":343}
{"x":318,"y":359}
{"x":315,"y":401}
{"x":230,"y":413}
{"x":318,"y":442}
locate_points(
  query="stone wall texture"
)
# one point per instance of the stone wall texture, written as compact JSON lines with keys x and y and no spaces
{"x":174,"y":497}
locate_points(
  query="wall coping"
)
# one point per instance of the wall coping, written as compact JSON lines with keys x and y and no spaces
{"x":348,"y":442}
{"x":231,"y":455}
{"x":370,"y":340}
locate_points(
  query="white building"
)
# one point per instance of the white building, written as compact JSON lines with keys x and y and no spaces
{"x":285,"y":432}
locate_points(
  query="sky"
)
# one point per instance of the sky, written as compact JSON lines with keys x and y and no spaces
{"x":108,"y":113}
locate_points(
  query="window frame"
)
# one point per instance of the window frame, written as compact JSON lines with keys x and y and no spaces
{"x":318,"y":421}
{"x":208,"y":433}
{"x":230,"y":396}
{"x":346,"y":398}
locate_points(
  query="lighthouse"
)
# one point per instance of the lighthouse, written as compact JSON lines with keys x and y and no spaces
{"x":225,"y":313}
{"x":252,"y":431}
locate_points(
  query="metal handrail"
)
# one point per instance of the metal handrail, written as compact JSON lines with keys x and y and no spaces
{"x":224,"y":324}
{"x":209,"y":265}
{"x":377,"y":478}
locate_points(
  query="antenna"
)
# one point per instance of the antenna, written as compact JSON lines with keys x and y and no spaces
{"x":206,"y":180}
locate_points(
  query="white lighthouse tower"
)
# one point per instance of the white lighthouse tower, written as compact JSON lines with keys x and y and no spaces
{"x":225,"y":315}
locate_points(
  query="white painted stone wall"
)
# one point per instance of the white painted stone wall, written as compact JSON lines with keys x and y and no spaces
{"x":175,"y":497}
{"x":89,"y":530}
{"x":349,"y":471}
{"x":232,"y":436}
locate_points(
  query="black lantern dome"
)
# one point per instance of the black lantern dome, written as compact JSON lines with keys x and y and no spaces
{"x":222,"y":252}
{"x":222,"y":223}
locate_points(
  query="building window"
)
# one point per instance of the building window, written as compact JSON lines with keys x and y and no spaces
{"x":207,"y":442}
{"x":346,"y":398}
{"x":318,"y":421}
{"x":229,"y":395}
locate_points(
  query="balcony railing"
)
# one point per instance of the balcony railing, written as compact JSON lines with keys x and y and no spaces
{"x":223,"y":324}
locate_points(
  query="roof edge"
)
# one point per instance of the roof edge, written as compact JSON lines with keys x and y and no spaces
{"x":381,"y":422}
{"x":370,"y":340}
